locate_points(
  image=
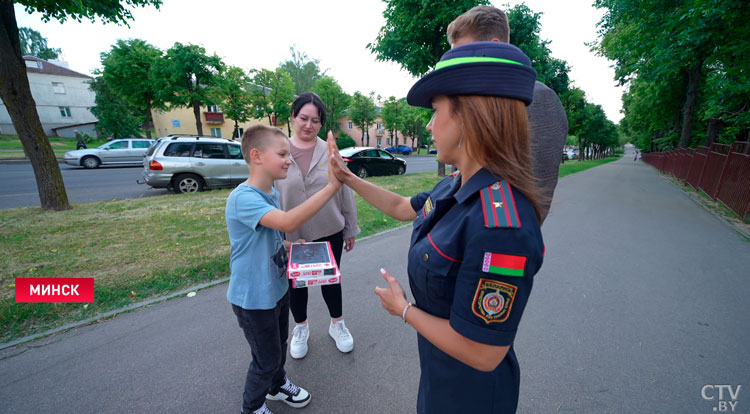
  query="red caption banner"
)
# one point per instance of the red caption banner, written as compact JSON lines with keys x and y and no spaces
{"x":54,"y":289}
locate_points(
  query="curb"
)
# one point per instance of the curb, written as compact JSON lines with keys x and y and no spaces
{"x":145,"y":303}
{"x":24,"y":161}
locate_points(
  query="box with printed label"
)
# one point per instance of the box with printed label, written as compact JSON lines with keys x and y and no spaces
{"x":300,"y":282}
{"x":312,"y":260}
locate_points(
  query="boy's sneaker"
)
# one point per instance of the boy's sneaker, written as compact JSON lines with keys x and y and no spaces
{"x":291,"y":394}
{"x":263,"y":410}
{"x":339,"y":333}
{"x":298,"y":346}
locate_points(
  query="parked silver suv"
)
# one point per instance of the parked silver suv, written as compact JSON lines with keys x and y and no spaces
{"x":191,"y":163}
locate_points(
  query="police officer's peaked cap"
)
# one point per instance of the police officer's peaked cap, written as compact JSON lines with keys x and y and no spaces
{"x":480,"y":68}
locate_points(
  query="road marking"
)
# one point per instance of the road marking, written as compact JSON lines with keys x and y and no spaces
{"x":11,"y":195}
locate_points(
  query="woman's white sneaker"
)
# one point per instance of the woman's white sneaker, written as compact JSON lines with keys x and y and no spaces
{"x":339,"y":333}
{"x":298,"y":346}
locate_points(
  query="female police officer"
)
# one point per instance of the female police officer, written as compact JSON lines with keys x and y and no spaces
{"x":476,"y":243}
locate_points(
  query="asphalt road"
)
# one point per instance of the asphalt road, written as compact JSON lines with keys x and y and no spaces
{"x":18,"y":185}
{"x":641,"y":302}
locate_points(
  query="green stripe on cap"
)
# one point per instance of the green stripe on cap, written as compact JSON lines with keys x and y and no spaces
{"x":473,"y":59}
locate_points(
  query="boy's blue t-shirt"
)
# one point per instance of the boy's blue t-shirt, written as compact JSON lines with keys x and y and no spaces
{"x":258,"y":262}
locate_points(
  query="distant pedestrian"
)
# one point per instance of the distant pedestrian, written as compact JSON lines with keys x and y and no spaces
{"x":80,"y":143}
{"x":258,"y":287}
{"x":635,"y":158}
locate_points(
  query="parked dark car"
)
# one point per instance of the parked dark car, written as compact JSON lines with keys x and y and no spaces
{"x":368,"y":161}
{"x":433,"y":151}
{"x":401,"y":149}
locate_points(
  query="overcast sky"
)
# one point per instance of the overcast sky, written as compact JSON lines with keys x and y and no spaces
{"x":258,"y":35}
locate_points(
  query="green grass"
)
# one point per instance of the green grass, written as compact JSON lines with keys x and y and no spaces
{"x":135,"y":249}
{"x":138,"y":249}
{"x":574,"y":166}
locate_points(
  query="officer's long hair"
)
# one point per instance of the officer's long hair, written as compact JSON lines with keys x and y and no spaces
{"x":496,"y":134}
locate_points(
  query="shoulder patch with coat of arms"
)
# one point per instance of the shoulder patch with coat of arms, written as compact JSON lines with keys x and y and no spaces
{"x":499,"y":206}
{"x":493,"y":300}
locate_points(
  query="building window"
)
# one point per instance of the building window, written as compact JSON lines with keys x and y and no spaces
{"x":213,"y":108}
{"x":388,"y":141}
{"x":380,"y":125}
{"x":350,"y":125}
{"x":36,"y":64}
{"x":240,"y":132}
{"x":216,"y":132}
{"x":65,"y":112}
{"x":58,"y":87}
{"x":380,"y":142}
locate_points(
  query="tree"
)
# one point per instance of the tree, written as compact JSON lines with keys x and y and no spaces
{"x":272,"y":95}
{"x":33,"y":44}
{"x":691,"y":42}
{"x":232,"y":92}
{"x":184,"y":78}
{"x":116,"y":116}
{"x":414,"y":120}
{"x":16,"y":93}
{"x":303,"y":70}
{"x":363,"y":113}
{"x":128,"y":69}
{"x":392,"y":114}
{"x":335,"y":100}
{"x":524,"y":33}
{"x":414,"y":32}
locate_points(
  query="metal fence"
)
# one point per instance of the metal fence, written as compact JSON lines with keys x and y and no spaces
{"x":721,"y":171}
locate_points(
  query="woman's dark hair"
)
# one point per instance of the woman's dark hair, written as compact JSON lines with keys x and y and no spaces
{"x":306,"y":98}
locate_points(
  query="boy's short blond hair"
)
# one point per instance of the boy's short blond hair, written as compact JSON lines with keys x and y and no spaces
{"x":482,"y":23}
{"x":258,"y":137}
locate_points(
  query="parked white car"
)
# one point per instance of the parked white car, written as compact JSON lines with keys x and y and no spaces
{"x":117,"y":152}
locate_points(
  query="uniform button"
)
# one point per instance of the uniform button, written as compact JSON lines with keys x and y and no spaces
{"x":426,"y":257}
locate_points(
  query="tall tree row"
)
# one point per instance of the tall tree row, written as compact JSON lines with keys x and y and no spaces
{"x":685,"y":63}
{"x":414,"y":35}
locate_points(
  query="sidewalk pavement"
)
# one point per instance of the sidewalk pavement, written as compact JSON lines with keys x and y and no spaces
{"x":642,"y":300}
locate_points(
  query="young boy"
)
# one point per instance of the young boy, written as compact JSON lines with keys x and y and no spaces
{"x":258,"y":284}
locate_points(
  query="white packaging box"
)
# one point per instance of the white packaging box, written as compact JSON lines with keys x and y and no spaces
{"x":299,"y":282}
{"x":314,"y":259}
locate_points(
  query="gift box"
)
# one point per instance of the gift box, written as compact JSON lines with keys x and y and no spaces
{"x":312,"y":264}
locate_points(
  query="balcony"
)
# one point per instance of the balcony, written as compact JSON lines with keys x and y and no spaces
{"x":214,"y":117}
{"x":381,"y":132}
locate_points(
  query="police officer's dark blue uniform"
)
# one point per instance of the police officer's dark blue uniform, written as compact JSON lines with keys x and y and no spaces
{"x":476,"y":243}
{"x":458,"y":234}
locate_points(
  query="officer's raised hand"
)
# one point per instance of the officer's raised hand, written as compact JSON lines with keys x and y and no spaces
{"x":392,"y":297}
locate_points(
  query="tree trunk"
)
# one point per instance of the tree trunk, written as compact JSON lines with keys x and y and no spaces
{"x":714,"y":126}
{"x":16,"y":94}
{"x":694,"y":77}
{"x":236,"y":132}
{"x":149,"y":120}
{"x":197,"y":113}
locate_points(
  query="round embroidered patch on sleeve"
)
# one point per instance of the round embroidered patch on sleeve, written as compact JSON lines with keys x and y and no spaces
{"x":493,"y":300}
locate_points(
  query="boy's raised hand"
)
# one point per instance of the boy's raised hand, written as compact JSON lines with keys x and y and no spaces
{"x":333,"y":165}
